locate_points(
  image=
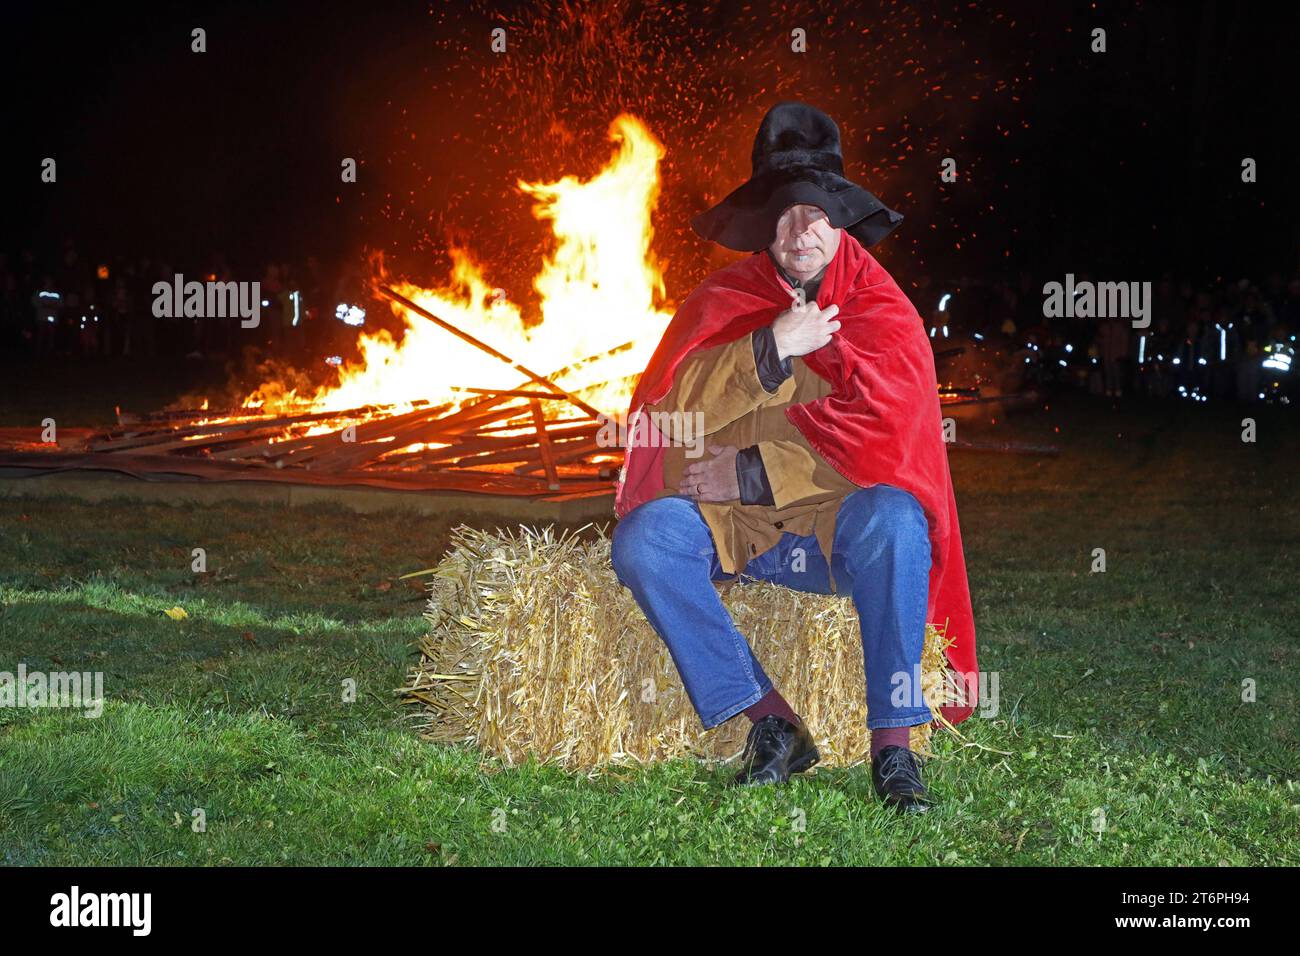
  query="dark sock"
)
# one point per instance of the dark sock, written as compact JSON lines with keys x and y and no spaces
{"x":883,"y":737}
{"x":771,"y":703}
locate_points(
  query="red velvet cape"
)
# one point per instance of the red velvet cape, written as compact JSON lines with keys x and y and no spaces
{"x":881,"y":423}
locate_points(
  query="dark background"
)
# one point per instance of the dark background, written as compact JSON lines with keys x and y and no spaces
{"x":1126,"y":163}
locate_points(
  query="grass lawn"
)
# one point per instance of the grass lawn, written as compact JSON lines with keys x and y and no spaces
{"x":1121,"y":736}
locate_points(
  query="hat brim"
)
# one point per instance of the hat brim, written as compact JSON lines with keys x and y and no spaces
{"x":746,"y":220}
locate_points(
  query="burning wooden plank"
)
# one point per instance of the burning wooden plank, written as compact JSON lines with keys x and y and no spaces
{"x":530,"y":452}
{"x":544,"y":444}
{"x":464,"y":449}
{"x":565,"y":454}
{"x":478,"y":343}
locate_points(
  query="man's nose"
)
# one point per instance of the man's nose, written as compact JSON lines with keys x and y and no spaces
{"x":803,"y":228}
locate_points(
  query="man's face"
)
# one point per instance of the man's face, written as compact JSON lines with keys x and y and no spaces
{"x":805,"y":241}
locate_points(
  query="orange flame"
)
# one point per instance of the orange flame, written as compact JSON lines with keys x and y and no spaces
{"x":600,"y":290}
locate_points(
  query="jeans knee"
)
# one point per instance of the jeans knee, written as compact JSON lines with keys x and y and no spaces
{"x":640,"y":537}
{"x":889,"y":514}
{"x":626,"y":546}
{"x":898,"y":511}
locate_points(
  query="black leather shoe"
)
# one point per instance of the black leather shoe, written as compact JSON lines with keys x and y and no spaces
{"x":775,"y":749}
{"x":896,"y":772}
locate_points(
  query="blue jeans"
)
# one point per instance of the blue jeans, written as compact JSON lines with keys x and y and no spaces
{"x":663,"y":552}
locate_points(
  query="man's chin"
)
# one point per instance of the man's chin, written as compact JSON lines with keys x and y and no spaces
{"x":805,"y":270}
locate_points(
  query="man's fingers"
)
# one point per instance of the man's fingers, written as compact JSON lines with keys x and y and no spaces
{"x":694,"y":489}
{"x":834,"y":326}
{"x":831,"y":310}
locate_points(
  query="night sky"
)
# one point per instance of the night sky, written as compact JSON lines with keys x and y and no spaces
{"x":1125,"y":163}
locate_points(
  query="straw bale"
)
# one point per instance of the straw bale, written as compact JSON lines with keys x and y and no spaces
{"x":535,"y":649}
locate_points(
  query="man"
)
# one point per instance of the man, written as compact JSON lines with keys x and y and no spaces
{"x":826,"y":470}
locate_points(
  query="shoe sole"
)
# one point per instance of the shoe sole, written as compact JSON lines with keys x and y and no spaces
{"x":918,"y":806}
{"x":804,"y":763}
{"x":906,"y":810}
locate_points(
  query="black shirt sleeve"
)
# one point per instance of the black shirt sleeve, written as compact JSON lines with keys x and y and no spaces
{"x":771,"y":370}
{"x":751,"y":476}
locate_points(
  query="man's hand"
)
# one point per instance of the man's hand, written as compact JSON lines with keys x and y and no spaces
{"x":803,"y":329}
{"x":714,"y":479}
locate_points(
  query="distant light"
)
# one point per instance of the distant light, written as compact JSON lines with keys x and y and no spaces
{"x":979,"y":337}
{"x":1200,"y":361}
{"x":295,"y":296}
{"x":1069,"y":347}
{"x":943,"y":303}
{"x":1062,"y":362}
{"x":1177,"y":360}
{"x":1142,"y":349}
{"x":945,"y":331}
{"x":334,"y":360}
{"x":266,"y":304}
{"x":932,"y":332}
{"x":350,"y":314}
{"x":50,"y":295}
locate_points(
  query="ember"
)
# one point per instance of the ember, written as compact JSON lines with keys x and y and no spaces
{"x":448,"y":396}
{"x":601,"y":296}
{"x":451,"y":404}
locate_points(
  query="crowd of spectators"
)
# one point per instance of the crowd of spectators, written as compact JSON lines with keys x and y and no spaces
{"x":71,"y":305}
{"x":1224,"y":340}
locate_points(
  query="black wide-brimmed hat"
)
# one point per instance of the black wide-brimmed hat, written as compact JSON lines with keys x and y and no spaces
{"x":796,"y":159}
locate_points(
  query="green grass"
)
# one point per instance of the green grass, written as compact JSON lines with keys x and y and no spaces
{"x":1120,"y":693}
